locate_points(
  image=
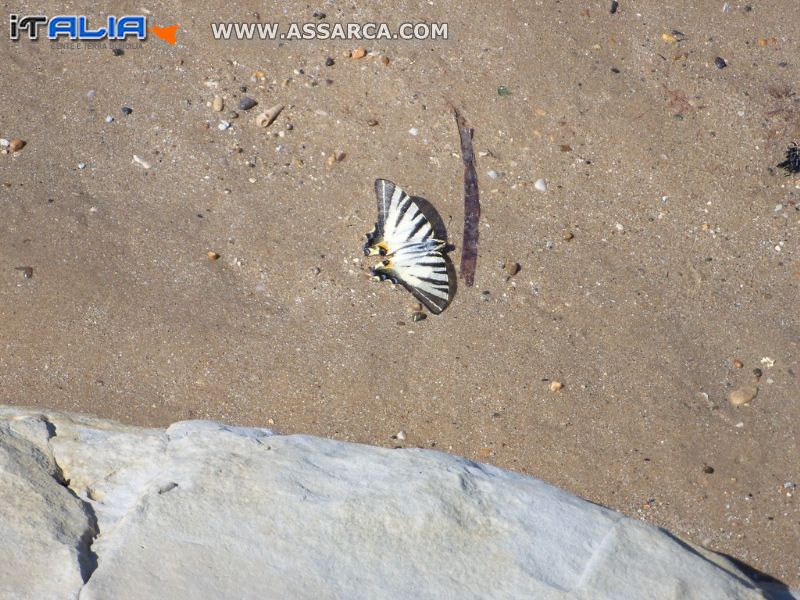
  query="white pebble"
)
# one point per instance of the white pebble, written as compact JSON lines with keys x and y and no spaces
{"x":540,"y":185}
{"x":141,"y":162}
{"x":413,"y":131}
{"x":492,"y":174}
{"x":401,"y":435}
{"x":81,"y":165}
{"x":223,"y":125}
{"x":619,"y":226}
{"x":109,"y":119}
{"x":4,"y":142}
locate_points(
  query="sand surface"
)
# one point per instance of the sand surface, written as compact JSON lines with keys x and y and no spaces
{"x":683,"y":257}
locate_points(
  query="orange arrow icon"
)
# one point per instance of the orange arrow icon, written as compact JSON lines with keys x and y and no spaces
{"x":166,"y":33}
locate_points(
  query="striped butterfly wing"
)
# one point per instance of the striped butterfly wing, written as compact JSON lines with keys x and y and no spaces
{"x":424,"y":270}
{"x":401,"y":220}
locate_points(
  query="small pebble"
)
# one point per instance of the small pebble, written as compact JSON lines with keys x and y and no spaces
{"x":4,"y":143}
{"x":141,"y":162}
{"x":757,"y":373}
{"x":16,"y":144}
{"x":91,"y":94}
{"x":418,"y":316}
{"x":720,"y":62}
{"x":614,"y":6}
{"x":413,"y":131}
{"x":233,"y":115}
{"x":372,"y":122}
{"x":127,"y":110}
{"x":212,"y":255}
{"x":109,"y":119}
{"x":117,"y":51}
{"x":385,"y":61}
{"x":492,"y":174}
{"x":540,"y":185}
{"x":555,"y":386}
{"x":567,"y":235}
{"x":738,"y":364}
{"x":743,"y":395}
{"x":503,"y":91}
{"x":512,"y":268}
{"x":708,"y":470}
{"x":27,"y":272}
{"x":329,"y":62}
{"x":359,"y":53}
{"x":218,"y":103}
{"x":400,"y":435}
{"x":81,"y":165}
{"x":246,"y":103}
{"x":223,"y":125}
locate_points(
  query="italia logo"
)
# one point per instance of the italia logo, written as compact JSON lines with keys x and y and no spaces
{"x":77,"y":27}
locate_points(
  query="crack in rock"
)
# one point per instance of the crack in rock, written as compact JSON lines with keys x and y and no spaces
{"x":87,"y":558}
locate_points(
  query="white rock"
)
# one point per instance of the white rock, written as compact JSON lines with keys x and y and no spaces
{"x":540,"y":185}
{"x":4,"y":143}
{"x":43,"y":526}
{"x":413,"y":131}
{"x":204,"y":510}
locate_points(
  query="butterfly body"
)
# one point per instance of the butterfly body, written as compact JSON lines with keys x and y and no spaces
{"x":410,"y":235}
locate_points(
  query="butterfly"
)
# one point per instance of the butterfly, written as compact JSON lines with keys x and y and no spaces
{"x":411,"y":236}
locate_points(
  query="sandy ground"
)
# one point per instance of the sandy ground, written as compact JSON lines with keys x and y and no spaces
{"x":683,"y":260}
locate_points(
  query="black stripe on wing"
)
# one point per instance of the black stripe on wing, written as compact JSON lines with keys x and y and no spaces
{"x":424,"y":271}
{"x":389,"y":197}
{"x":402,"y":219}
